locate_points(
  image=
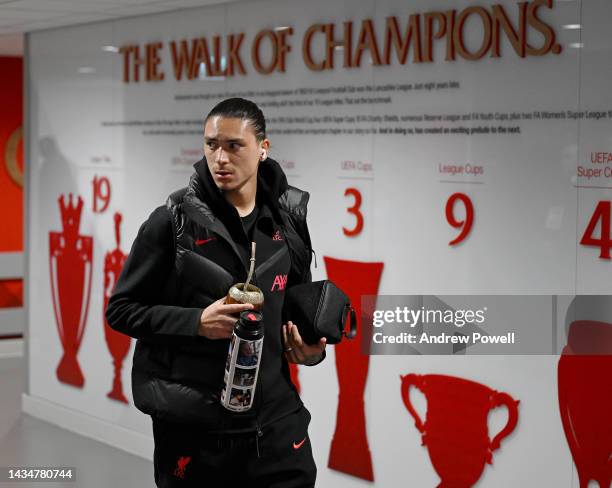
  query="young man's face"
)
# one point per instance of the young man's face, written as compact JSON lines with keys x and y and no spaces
{"x":232,"y":152}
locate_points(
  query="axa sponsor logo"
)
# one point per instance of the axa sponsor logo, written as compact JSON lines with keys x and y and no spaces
{"x":277,"y":236}
{"x":280,"y":281}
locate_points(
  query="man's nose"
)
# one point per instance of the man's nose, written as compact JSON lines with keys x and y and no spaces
{"x":222,"y":156}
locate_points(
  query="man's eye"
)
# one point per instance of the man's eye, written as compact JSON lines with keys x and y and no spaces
{"x":210,"y":145}
{"x":234,"y":145}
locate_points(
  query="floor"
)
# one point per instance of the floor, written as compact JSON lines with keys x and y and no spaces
{"x":28,"y":441}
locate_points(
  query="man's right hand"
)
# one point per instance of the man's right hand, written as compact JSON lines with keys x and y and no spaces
{"x":218,"y":319}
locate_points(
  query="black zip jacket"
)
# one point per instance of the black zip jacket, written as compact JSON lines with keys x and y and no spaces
{"x":187,"y":255}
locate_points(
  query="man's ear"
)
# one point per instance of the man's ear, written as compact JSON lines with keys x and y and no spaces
{"x":263,"y":151}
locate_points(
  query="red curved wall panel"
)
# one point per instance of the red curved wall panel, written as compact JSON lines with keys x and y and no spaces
{"x":11,"y":171}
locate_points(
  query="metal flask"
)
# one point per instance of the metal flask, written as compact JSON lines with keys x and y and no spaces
{"x":243,"y":360}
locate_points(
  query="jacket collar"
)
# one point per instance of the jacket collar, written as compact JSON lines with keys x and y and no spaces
{"x":204,"y":202}
{"x":271,"y":184}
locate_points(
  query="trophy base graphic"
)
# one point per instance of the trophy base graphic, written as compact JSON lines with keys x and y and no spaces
{"x":350,"y":451}
{"x":117,"y":392}
{"x":69,"y":372}
{"x":448,"y":484}
{"x":356,"y":463}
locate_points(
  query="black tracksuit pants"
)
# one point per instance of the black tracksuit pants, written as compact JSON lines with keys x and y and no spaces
{"x":279,"y":458}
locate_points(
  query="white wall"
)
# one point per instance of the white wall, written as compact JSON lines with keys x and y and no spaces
{"x":529,"y":214}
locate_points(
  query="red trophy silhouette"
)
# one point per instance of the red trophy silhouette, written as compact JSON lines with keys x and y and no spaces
{"x":350,"y":452}
{"x":585,"y":399}
{"x":118,"y":344}
{"x":70,"y":263}
{"x":455,"y":429}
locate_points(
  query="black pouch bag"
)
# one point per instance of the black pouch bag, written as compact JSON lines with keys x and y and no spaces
{"x":319,"y":309}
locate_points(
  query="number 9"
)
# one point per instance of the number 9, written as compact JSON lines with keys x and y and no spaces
{"x":464,"y":225}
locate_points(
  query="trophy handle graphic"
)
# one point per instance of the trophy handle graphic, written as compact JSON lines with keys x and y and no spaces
{"x":416,"y":381}
{"x":350,"y":452}
{"x":499,"y":400}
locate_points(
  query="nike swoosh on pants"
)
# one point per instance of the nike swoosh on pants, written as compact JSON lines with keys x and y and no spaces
{"x":297,"y":445}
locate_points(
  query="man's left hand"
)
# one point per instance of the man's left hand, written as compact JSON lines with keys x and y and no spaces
{"x":296,"y":350}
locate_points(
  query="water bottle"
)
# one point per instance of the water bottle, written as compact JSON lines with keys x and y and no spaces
{"x":243,"y":359}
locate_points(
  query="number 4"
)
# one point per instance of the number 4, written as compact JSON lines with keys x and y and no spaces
{"x":602,"y":212}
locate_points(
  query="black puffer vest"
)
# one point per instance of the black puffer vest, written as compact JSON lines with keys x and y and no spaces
{"x":180,"y":381}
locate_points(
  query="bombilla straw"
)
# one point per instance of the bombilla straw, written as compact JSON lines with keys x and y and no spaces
{"x":251,"y":268}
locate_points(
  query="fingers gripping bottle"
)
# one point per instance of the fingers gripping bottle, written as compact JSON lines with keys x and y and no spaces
{"x":243,"y":359}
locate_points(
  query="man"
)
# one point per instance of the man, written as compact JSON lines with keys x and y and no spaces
{"x":171,"y":297}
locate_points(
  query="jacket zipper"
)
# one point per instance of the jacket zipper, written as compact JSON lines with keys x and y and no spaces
{"x":258,"y":435}
{"x":259,"y":386}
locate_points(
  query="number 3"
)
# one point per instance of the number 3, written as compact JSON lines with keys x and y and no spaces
{"x":355,"y":211}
